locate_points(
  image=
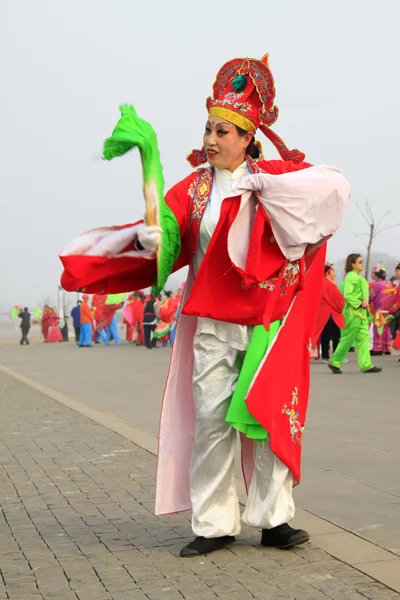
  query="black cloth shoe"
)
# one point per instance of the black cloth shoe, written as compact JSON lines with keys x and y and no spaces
{"x":335,"y":370}
{"x":283,"y":537}
{"x":373,"y":370}
{"x":202,"y":545}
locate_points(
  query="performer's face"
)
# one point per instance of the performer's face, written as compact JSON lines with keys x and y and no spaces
{"x":224,"y":146}
{"x":331,"y":274}
{"x":358,"y":265}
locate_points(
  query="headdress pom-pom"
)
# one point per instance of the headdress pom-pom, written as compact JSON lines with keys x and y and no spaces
{"x":239,"y":83}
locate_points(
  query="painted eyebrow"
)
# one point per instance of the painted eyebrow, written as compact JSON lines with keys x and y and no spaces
{"x":222,"y":124}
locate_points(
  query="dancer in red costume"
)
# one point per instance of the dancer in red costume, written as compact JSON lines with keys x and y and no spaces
{"x":253,"y":233}
{"x":54,"y":333}
{"x":99,"y":320}
{"x":128,"y":314}
{"x":138,"y":307}
{"x":395,"y":309}
{"x":330,"y":319}
{"x":45,"y":322}
{"x":167,"y":315}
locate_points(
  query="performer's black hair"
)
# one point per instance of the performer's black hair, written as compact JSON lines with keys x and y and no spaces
{"x":381,"y":274}
{"x":251,"y":149}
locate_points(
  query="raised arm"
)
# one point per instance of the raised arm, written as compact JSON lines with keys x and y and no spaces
{"x":108,"y":259}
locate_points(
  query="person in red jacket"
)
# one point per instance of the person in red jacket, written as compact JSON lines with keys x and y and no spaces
{"x":330,"y":319}
{"x":129,"y":309}
{"x":86,"y":323}
{"x":137,"y":310}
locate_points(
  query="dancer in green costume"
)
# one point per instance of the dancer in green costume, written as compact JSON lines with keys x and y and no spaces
{"x":357,"y":315}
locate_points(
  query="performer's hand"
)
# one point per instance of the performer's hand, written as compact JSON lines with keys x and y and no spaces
{"x":365,"y":304}
{"x":149,"y":237}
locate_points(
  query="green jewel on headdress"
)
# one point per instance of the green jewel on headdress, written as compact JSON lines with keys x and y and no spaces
{"x":239,"y":83}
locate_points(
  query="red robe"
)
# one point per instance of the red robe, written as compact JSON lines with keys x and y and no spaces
{"x":129,"y":326}
{"x":137,"y":309}
{"x":98,"y":304}
{"x":332,"y":303}
{"x":396,"y":305}
{"x":167,"y":315}
{"x":108,"y":313}
{"x":168,"y":310}
{"x":264,"y":288}
{"x":46,"y":317}
{"x":54,"y":333}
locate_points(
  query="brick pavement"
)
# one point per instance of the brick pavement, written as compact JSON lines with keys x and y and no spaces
{"x":351,"y":444}
{"x":77,"y":523}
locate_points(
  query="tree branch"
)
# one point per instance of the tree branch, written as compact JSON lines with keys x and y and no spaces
{"x":368,"y":207}
{"x":363,"y":215}
{"x":384,"y":217}
{"x":386,"y":228}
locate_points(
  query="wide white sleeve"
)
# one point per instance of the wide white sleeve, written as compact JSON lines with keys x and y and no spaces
{"x":109,"y":242}
{"x":305,"y":207}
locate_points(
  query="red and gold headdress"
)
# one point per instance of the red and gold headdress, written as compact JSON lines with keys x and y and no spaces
{"x":244,"y":94}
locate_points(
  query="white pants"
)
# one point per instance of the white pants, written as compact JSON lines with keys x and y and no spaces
{"x":212,"y":483}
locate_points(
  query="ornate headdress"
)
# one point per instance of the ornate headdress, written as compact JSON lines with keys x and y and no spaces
{"x":244,"y":94}
{"x":328,"y":267}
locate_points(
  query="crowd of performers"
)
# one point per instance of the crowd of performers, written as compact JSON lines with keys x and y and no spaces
{"x":150,"y":320}
{"x":54,"y":328}
{"x":358,"y":315}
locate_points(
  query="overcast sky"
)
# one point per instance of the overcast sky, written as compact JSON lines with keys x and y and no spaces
{"x":67,"y":66}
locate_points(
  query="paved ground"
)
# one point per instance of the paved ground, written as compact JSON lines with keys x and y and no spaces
{"x":351,"y":446}
{"x":77,"y":523}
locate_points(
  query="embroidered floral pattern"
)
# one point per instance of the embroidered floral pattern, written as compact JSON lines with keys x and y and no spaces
{"x":292,"y":273}
{"x":231,"y":101}
{"x":262,"y":79}
{"x":296,"y":429}
{"x":199,"y":192}
{"x":197,"y":157}
{"x":253,"y":165}
{"x":226,"y":74}
{"x":291,"y":277}
{"x":268,"y":284}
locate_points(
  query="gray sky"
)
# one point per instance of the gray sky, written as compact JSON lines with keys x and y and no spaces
{"x":67,"y":66}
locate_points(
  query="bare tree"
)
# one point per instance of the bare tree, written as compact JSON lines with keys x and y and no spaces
{"x":374,"y":228}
